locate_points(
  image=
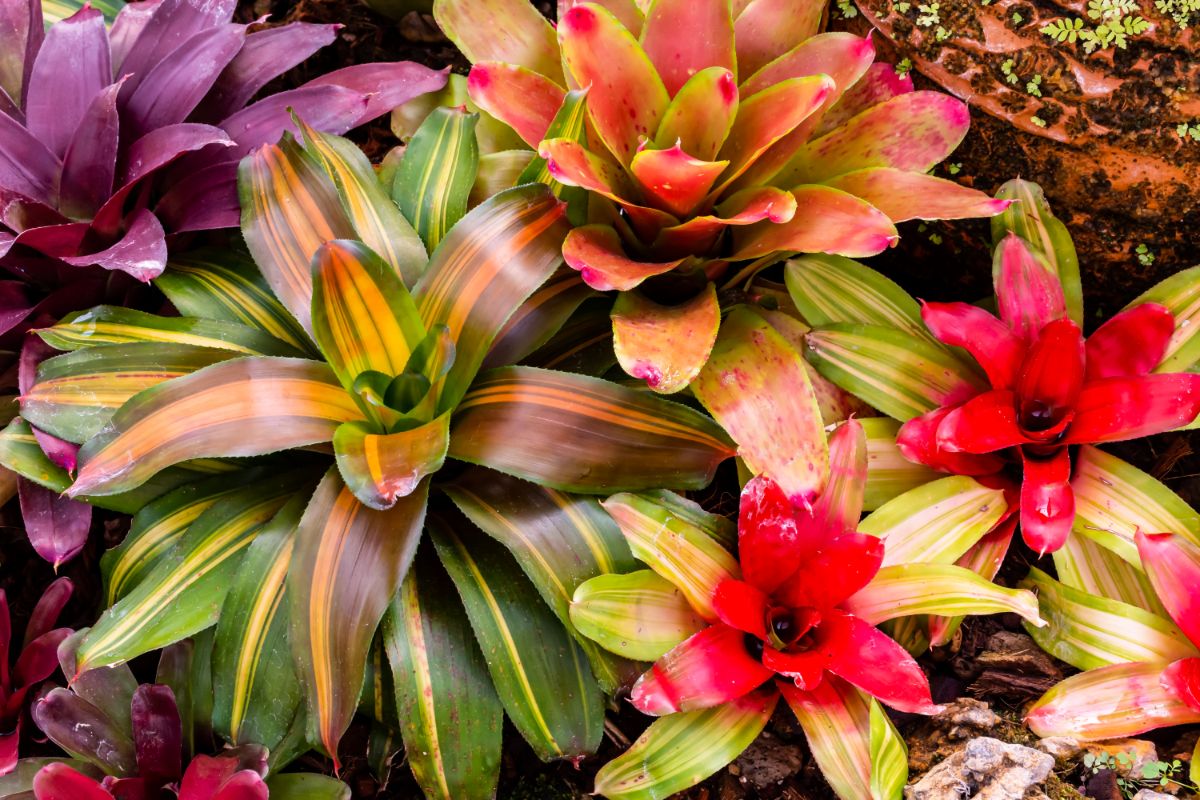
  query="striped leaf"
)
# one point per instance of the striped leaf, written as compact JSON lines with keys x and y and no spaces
{"x":680,"y":551}
{"x":720,"y":529}
{"x":1114,"y":500}
{"x":896,"y":372}
{"x":756,"y":387}
{"x":638,"y":615}
{"x":907,"y":590}
{"x":347,"y":563}
{"x":183,"y":594}
{"x":21,"y":453}
{"x":224,"y":284}
{"x":1083,"y":564}
{"x":76,"y":394}
{"x":560,"y":541}
{"x":829,"y":289}
{"x":569,"y":123}
{"x":1181,"y":294}
{"x":1030,"y":218}
{"x":679,"y":750}
{"x":379,"y":224}
{"x":889,"y":757}
{"x":538,"y":319}
{"x":255,"y":690}
{"x":382,"y":468}
{"x":435,"y":175}
{"x":363,"y":318}
{"x":487,"y":266}
{"x":1111,"y":702}
{"x":290,"y":207}
{"x":244,"y":407}
{"x":1088,"y":631}
{"x":541,"y":675}
{"x":497,"y":172}
{"x":576,"y":433}
{"x":57,"y":10}
{"x":889,"y":473}
{"x":116,"y":325}
{"x":450,"y":716}
{"x":159,"y":525}
{"x":836,"y":719}
{"x":935,"y":523}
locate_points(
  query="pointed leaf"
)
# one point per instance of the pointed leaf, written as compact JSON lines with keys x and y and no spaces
{"x":347,"y":563}
{"x":889,"y":473}
{"x":540,"y":674}
{"x":679,"y":750}
{"x":381,"y":469}
{"x":255,"y":689}
{"x":665,"y":346}
{"x":183,"y":594}
{"x":700,"y":114}
{"x":450,"y":717}
{"x":638,"y":615}
{"x":673,"y":546}
{"x":832,"y":289}
{"x":486,"y":267}
{"x":708,"y":43}
{"x":110,"y":690}
{"x":889,"y":757}
{"x":596,"y":251}
{"x":380,"y":226}
{"x":57,"y":527}
{"x":1083,"y":564}
{"x":436,"y":173}
{"x":560,"y":541}
{"x":905,"y":195}
{"x":836,"y":719}
{"x":1180,"y":294}
{"x":834,"y":222}
{"x":509,"y":31}
{"x":84,"y":732}
{"x":590,"y":435}
{"x":265,"y":404}
{"x":1108,"y":703}
{"x":908,"y":590}
{"x":525,"y":100}
{"x":1088,"y":631}
{"x":767,"y":28}
{"x":937,"y":522}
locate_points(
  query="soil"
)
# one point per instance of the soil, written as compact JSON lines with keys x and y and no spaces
{"x":1124,"y":178}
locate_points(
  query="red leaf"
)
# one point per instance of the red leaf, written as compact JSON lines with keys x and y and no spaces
{"x":983,"y":424}
{"x":875,"y":663}
{"x":59,"y":782}
{"x":741,"y":606}
{"x":1051,"y":380}
{"x":918,"y":441}
{"x":839,"y":569}
{"x":1047,"y":501}
{"x":157,"y":733}
{"x":1183,"y":678}
{"x":989,"y":341}
{"x":1173,"y":565}
{"x":708,"y":669}
{"x":1028,"y":293}
{"x":771,"y":542}
{"x":1130,"y":344}
{"x":1114,"y":409}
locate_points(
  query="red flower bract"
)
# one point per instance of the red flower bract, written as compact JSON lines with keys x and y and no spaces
{"x":784,"y":620}
{"x":1050,"y":389}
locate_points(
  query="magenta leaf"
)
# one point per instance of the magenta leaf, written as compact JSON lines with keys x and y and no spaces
{"x":57,"y":526}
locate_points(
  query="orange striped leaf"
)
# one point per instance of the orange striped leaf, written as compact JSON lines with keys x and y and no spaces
{"x":243,"y":407}
{"x":347,"y":563}
{"x":576,"y":433}
{"x":382,"y":468}
{"x":484,"y":269}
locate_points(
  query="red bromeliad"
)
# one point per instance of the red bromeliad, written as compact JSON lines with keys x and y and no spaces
{"x":1049,"y":389}
{"x":785,"y":620}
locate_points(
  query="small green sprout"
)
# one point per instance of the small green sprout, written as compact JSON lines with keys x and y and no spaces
{"x":1188,"y":130}
{"x":847,"y":8}
{"x":1017,"y":18}
{"x":1041,"y":123}
{"x":954,"y":169}
{"x":929,"y":15}
{"x":1010,"y":76}
{"x":1034,"y":86}
{"x":1145,"y":255}
{"x":903,"y":67}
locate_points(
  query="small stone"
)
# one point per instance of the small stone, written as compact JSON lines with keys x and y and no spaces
{"x":985,"y":769}
{"x":1150,"y":794}
{"x":966,"y":717}
{"x":1063,"y":748}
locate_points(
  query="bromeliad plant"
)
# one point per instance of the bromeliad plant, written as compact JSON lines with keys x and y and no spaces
{"x":794,"y":613}
{"x":1031,"y":388}
{"x":368,"y":352}
{"x":708,"y":134}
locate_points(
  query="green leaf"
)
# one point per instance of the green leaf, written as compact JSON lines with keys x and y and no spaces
{"x":1030,"y":218}
{"x":243,"y":407}
{"x":836,"y":719}
{"x":540,"y":673}
{"x":901,"y":374}
{"x":638,"y":615}
{"x":348,"y":562}
{"x":569,"y":123}
{"x":576,"y":433}
{"x":889,"y":757}
{"x":829,"y":289}
{"x":679,"y":750}
{"x":1088,"y":631}
{"x":1083,"y":564}
{"x":906,"y":590}
{"x":306,"y":786}
{"x":1181,"y":294}
{"x":560,"y":541}
{"x":186,"y":667}
{"x":381,"y":469}
{"x":936,"y":523}
{"x":1114,"y":500}
{"x":485,"y":268}
{"x":224,"y":284}
{"x":256,"y":691}
{"x":160,"y":524}
{"x":435,"y":175}
{"x":379,"y":224}
{"x":76,"y":394}
{"x":889,"y":473}
{"x":756,"y":387}
{"x":450,"y":716}
{"x":183,"y":594}
{"x":363,"y":318}
{"x":683,"y":553}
